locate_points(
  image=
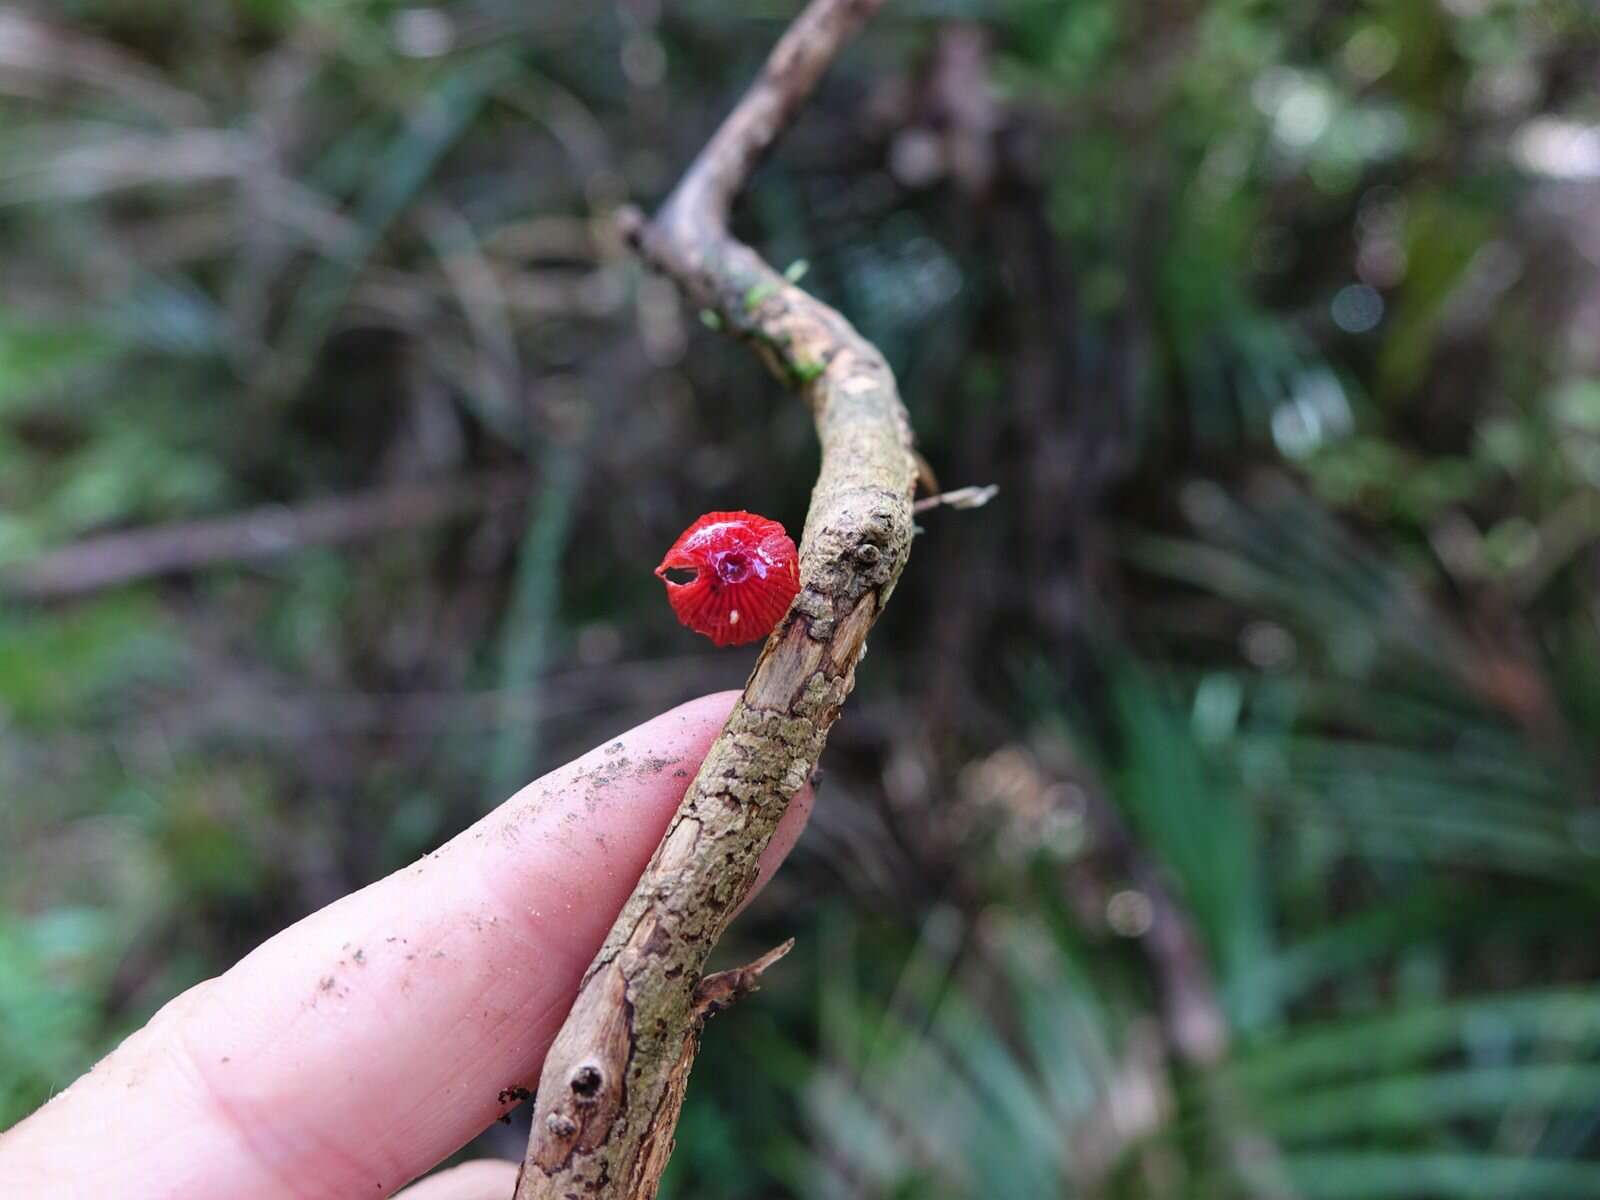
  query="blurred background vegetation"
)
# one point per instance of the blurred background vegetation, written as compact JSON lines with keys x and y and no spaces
{"x":1219,"y":812}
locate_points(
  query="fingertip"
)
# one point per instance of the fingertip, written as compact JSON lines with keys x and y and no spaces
{"x":790,"y":826}
{"x":487,"y":938}
{"x":485,"y":1179}
{"x":710,"y":710}
{"x":701,"y":719}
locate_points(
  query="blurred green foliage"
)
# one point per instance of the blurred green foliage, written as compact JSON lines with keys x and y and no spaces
{"x":1219,"y":814}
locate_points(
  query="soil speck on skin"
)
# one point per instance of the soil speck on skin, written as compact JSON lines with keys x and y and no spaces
{"x":680,"y":773}
{"x":225,"y":1058}
{"x":514,"y":1093}
{"x":614,"y":748}
{"x":438,"y":954}
{"x":327,"y":983}
{"x":360,"y":957}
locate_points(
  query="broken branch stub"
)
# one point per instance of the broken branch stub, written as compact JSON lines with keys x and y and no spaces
{"x":613,"y":1082}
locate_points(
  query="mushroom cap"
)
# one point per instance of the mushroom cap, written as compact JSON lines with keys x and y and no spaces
{"x":746,"y":572}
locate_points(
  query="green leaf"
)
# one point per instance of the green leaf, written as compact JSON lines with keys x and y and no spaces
{"x":35,"y":355}
{"x":1399,"y":1039}
{"x":1465,"y":1176}
{"x":1421,"y":1102}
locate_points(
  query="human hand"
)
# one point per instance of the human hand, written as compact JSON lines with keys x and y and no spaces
{"x":362,"y":1045}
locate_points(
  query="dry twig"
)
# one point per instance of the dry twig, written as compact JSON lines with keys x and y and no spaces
{"x":613,"y":1082}
{"x":967,"y":497}
{"x":130,"y":556}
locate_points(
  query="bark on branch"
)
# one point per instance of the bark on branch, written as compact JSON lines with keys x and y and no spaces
{"x":613,"y":1082}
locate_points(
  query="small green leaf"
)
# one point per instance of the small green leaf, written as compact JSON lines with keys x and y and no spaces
{"x":757,"y":293}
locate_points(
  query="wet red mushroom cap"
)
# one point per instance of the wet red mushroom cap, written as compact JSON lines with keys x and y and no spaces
{"x":742,"y":573}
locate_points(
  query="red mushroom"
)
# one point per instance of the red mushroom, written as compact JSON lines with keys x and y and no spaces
{"x":745,"y":572}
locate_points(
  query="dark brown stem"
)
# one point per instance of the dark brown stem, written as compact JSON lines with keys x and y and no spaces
{"x":613,"y":1082}
{"x":114,"y":559}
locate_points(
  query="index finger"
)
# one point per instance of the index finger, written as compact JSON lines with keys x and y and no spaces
{"x":354,"y":1050}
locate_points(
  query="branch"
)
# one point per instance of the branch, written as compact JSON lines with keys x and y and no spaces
{"x":1192,"y":1013}
{"x":612,"y":1084}
{"x":113,"y":559}
{"x":967,"y":497}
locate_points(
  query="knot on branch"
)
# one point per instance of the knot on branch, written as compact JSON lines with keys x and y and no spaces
{"x":586,"y":1081}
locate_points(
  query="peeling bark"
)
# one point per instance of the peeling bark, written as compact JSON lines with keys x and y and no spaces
{"x":614,"y":1079}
